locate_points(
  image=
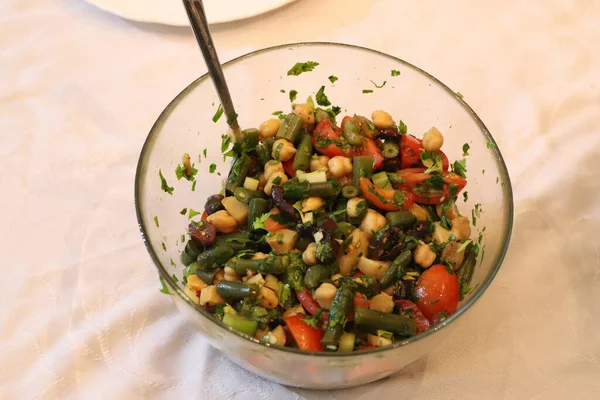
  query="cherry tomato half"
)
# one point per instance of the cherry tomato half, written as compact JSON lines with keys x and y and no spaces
{"x":438,"y":292}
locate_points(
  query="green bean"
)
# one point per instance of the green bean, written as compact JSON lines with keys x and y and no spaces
{"x":192,"y":249}
{"x":241,"y":324}
{"x":390,"y":150}
{"x":352,"y":134}
{"x":362,"y":167}
{"x":207,"y":275}
{"x":269,"y":265}
{"x":244,"y":195}
{"x":396,"y":269}
{"x":367,"y":285}
{"x":303,"y":154}
{"x":256,"y":208}
{"x":237,"y":290}
{"x":294,"y":273}
{"x":339,"y":311}
{"x":186,"y":259}
{"x":316,"y":274}
{"x":238,"y":173}
{"x":190,"y":269}
{"x":295,"y":190}
{"x":465,"y":272}
{"x":400,"y":218}
{"x":250,"y":138}
{"x":350,"y":191}
{"x":368,"y":128}
{"x":215,"y":257}
{"x":321,"y":114}
{"x":381,"y":180}
{"x":344,"y":229}
{"x":290,"y":128}
{"x":373,"y":320}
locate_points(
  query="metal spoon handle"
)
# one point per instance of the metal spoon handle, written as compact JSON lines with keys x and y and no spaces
{"x":197,"y":17}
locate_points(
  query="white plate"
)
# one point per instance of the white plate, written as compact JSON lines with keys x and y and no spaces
{"x":171,"y":12}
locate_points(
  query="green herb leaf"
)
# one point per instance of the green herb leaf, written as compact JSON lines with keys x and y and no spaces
{"x":310,"y":102}
{"x":491,"y":145}
{"x":315,"y":320}
{"x":300,"y":67}
{"x":212,"y":168}
{"x":284,"y":293}
{"x":385,"y":334}
{"x":164,"y":288}
{"x":293,"y":94}
{"x":465,"y":289}
{"x":435,"y":182}
{"x":395,"y":72}
{"x":218,"y":114}
{"x":465,"y":149}
{"x":333,"y":78}
{"x":193,"y":213}
{"x":379,"y":86}
{"x":367,"y":91}
{"x":232,"y":118}
{"x":466,"y":196}
{"x":164,"y":185}
{"x":464,"y":246}
{"x":156,"y":221}
{"x":172,"y":263}
{"x":321,"y":98}
{"x":460,"y":167}
{"x":336,"y":110}
{"x":402,"y":128}
{"x":432,"y":160}
{"x":194,"y":185}
{"x":278,"y":114}
{"x":260,"y":222}
{"x":282,"y":91}
{"x":225,"y":142}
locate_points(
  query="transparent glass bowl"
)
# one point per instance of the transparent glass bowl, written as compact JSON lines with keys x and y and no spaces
{"x":257,"y":81}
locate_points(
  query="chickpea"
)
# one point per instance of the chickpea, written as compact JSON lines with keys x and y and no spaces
{"x":382,"y":119}
{"x":424,"y":256}
{"x":324,"y":295}
{"x":461,"y":228}
{"x":318,"y":163}
{"x":269,"y":128}
{"x":271,"y":167}
{"x":195,"y":283}
{"x":440,"y":234}
{"x":433,"y":140}
{"x":339,"y":166}
{"x":306,"y":113}
{"x":419,"y":212}
{"x":355,"y":206}
{"x":312,"y":204}
{"x":223,"y":221}
{"x":382,"y":302}
{"x":283,"y":150}
{"x":372,"y":222}
{"x":269,"y":298}
{"x":310,"y":254}
{"x":230,"y":274}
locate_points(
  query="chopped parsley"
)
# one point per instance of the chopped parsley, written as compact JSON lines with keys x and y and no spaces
{"x":314,"y":320}
{"x":194,"y":185}
{"x":491,"y":145}
{"x":443,"y":315}
{"x":465,"y":289}
{"x":172,"y":263}
{"x":225,"y":142}
{"x":284,"y":293}
{"x":282,"y":90}
{"x":300,"y":67}
{"x":336,"y":110}
{"x":164,"y":288}
{"x":402,"y":128}
{"x":395,"y":72}
{"x":218,"y":114}
{"x":460,"y":167}
{"x":322,"y":99}
{"x":464,"y":246}
{"x":164,"y":185}
{"x":293,"y":94}
{"x":435,"y":182}
{"x":310,"y":102}
{"x":193,"y":213}
{"x":367,"y":91}
{"x":174,"y":277}
{"x":212,"y":168}
{"x":465,"y":149}
{"x":277,"y":151}
{"x":280,"y":238}
{"x":156,"y":221}
{"x":278,"y":114}
{"x":260,"y":222}
{"x":332,"y":78}
{"x":204,"y":152}
{"x":164,"y":246}
{"x":432,"y":160}
{"x":466,"y":196}
{"x":378,"y":86}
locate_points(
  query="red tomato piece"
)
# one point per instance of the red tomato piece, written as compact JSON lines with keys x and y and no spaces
{"x":411,"y":310}
{"x":370,"y":149}
{"x":204,"y":216}
{"x":410,"y":152}
{"x":288,"y":167}
{"x":326,"y":130}
{"x":438,"y":292}
{"x":306,"y":337}
{"x":384,"y":198}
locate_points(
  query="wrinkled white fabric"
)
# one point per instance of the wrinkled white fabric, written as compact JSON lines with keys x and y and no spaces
{"x":81,"y":316}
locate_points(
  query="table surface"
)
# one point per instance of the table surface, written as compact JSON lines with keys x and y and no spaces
{"x":81,"y":315}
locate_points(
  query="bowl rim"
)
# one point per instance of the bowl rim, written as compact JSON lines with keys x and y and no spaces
{"x":173,"y":287}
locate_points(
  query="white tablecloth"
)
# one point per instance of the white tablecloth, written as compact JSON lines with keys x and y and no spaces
{"x":81,"y":315}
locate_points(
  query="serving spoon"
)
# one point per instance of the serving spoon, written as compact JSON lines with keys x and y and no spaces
{"x":197,"y":17}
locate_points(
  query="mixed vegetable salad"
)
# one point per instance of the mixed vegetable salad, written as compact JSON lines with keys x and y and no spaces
{"x":332,"y":238}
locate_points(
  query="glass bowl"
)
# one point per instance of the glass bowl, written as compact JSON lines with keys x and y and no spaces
{"x":259,"y":85}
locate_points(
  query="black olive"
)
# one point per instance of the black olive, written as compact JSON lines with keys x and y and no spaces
{"x":327,"y":224}
{"x":392,"y":164}
{"x":257,"y":234}
{"x":390,"y":133}
{"x":419,"y":230}
{"x":403,"y":290}
{"x":286,"y":209}
{"x":213,"y":204}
